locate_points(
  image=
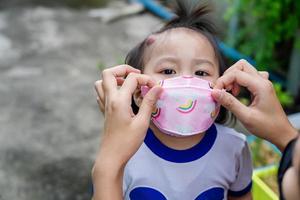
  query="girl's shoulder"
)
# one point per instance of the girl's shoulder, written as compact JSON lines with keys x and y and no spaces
{"x":229,"y":140}
{"x":230,"y":134}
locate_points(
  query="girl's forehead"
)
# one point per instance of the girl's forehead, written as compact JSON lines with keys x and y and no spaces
{"x":175,"y":33}
{"x":178,"y":40}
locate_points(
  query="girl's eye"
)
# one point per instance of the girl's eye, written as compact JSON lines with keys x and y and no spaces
{"x":168,"y":71}
{"x":201,"y":73}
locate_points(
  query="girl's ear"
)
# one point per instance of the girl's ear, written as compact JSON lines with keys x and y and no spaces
{"x":137,"y":97}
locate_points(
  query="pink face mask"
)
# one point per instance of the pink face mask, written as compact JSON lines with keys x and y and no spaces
{"x":185,"y":106}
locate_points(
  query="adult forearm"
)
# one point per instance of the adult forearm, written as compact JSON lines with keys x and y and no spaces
{"x":107,"y":182}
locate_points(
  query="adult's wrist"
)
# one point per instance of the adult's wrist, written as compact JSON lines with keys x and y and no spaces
{"x":282,"y":142}
{"x":107,"y":181}
{"x":107,"y":167}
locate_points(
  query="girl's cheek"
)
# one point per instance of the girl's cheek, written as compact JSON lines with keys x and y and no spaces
{"x":215,"y":78}
{"x":154,"y":75}
{"x":158,"y":77}
{"x":211,"y":79}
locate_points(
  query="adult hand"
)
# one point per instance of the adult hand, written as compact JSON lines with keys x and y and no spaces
{"x":264,"y":117}
{"x":119,"y":72}
{"x":124,"y":132}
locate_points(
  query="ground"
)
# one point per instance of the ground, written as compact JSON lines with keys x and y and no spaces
{"x":49,"y":120}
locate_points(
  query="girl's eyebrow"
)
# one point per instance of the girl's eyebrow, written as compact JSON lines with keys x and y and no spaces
{"x":166,"y":58}
{"x":202,"y":60}
{"x":174,"y":59}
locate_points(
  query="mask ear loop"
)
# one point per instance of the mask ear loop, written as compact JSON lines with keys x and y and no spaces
{"x":216,"y":112}
{"x":145,"y":89}
{"x":211,"y":85}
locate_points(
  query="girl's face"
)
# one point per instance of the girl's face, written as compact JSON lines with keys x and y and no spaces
{"x":180,"y":51}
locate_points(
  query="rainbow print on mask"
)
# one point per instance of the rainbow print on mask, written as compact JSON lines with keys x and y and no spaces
{"x":156,"y":113}
{"x":214,"y":113}
{"x":188,"y":107}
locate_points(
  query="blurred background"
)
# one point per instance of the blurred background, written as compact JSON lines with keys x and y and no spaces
{"x":52,"y":52}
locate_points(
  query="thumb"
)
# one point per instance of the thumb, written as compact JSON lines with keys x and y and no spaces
{"x":231,"y":103}
{"x":148,"y":103}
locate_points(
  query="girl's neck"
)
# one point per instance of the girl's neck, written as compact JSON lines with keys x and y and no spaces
{"x":178,"y":143}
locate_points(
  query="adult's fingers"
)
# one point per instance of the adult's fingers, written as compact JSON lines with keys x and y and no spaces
{"x":242,"y":65}
{"x":231,"y":103}
{"x":235,"y":88}
{"x":99,"y":89}
{"x":148,"y":103}
{"x":240,"y":77}
{"x":133,"y":81}
{"x":264,"y":74}
{"x":110,"y":76}
{"x":120,"y":81}
{"x":101,"y":105}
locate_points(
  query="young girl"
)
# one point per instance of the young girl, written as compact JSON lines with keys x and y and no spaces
{"x":214,"y":164}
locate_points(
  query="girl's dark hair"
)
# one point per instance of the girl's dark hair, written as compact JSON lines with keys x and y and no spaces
{"x":191,"y":15}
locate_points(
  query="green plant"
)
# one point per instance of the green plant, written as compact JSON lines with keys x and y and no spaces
{"x":284,"y":97}
{"x":100,"y":65}
{"x":120,"y":61}
{"x":262,"y":153}
{"x":266,"y":30}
